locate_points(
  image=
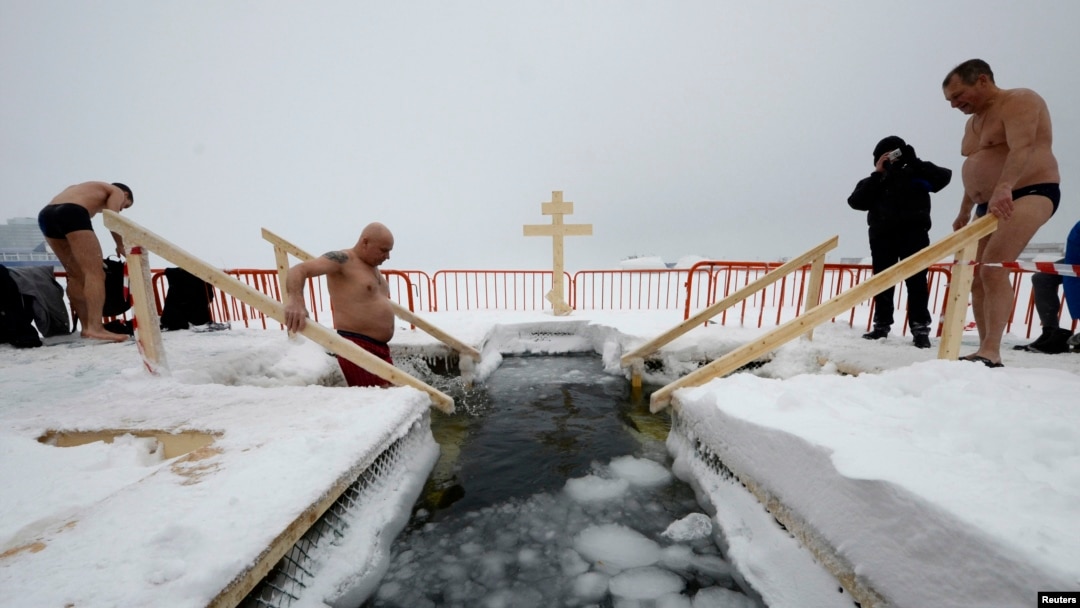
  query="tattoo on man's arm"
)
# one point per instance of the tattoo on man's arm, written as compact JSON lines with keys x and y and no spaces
{"x":337,"y":256}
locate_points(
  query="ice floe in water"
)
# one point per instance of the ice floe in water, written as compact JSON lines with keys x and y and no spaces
{"x":695,"y":526}
{"x":613,"y":548}
{"x":594,"y":489}
{"x":640,"y":471}
{"x":621,"y":536}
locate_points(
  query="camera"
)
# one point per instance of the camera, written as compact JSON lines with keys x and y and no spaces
{"x":892,"y":156}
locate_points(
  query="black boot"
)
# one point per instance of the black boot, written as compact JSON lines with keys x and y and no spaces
{"x":877,"y":334}
{"x":920,"y":333}
{"x":1047,"y":332}
{"x":1058,"y":342}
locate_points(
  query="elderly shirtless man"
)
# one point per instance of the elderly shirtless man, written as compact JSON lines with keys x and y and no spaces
{"x":359,"y":296}
{"x":65,"y":222}
{"x":1009,"y":171}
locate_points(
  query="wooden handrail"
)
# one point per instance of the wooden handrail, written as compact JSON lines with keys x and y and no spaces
{"x":962,"y":242}
{"x":635,"y":358}
{"x":137,"y":236}
{"x":283,"y":246}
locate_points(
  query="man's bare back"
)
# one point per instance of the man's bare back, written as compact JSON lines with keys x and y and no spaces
{"x":94,"y":196}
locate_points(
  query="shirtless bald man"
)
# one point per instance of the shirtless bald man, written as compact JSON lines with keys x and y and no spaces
{"x":359,"y":297}
{"x":65,"y":222}
{"x":1009,"y":171}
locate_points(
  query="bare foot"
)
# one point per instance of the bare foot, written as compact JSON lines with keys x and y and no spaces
{"x":104,"y":334}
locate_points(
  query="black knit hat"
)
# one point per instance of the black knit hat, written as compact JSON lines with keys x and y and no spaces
{"x":888,"y":144}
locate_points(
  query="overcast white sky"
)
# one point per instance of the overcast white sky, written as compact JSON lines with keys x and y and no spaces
{"x":721,"y":129}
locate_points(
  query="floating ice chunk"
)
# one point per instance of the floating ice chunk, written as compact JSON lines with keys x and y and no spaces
{"x":513,"y":598}
{"x":640,"y":471}
{"x":595,"y":489}
{"x":677,"y":557}
{"x":571,"y":563}
{"x":591,"y":586}
{"x":719,"y":597}
{"x":500,"y":598}
{"x":389,"y":590}
{"x":616,"y":547}
{"x":492,"y":569}
{"x":646,"y":583}
{"x":472,"y":548}
{"x":528,"y":557}
{"x":694,"y":526}
{"x":673,"y":600}
{"x":712,"y":568}
{"x":453,"y":571}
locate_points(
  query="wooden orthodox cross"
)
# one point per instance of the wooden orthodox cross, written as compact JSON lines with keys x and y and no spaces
{"x":557,"y":230}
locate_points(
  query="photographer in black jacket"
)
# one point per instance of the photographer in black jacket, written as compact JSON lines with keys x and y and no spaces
{"x":896,"y":198}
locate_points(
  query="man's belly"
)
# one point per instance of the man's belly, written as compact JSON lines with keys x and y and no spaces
{"x":981,"y":172}
{"x":374,"y":320}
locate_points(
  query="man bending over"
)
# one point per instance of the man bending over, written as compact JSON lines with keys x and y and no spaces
{"x":65,"y":222}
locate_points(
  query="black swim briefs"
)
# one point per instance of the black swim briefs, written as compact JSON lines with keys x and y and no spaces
{"x":56,"y":221}
{"x":1050,"y":191}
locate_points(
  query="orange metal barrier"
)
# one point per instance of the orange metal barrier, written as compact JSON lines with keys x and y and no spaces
{"x":492,"y":289}
{"x":691,"y":289}
{"x":224,"y":308}
{"x":787,"y":296}
{"x":636,"y":289}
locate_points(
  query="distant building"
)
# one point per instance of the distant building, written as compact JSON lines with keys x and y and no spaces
{"x":1042,"y":252}
{"x":22,"y":244}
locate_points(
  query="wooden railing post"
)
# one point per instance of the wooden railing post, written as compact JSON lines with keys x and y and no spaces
{"x":147,"y":323}
{"x":956,"y":304}
{"x":813,"y":295}
{"x":281,"y":260}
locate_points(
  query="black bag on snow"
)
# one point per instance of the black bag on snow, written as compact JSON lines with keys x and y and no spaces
{"x":43,"y":298}
{"x":116,"y":301}
{"x":15,"y":320}
{"x":187,"y":302}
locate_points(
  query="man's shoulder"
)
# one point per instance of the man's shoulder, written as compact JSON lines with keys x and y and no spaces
{"x":341,"y":256}
{"x":1021,"y":97}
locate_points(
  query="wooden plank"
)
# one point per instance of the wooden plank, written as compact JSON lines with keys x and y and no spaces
{"x":147,"y":321}
{"x":557,"y":229}
{"x":819,"y":314}
{"x":270,"y":307}
{"x":956,"y":303}
{"x":557,"y":208}
{"x":813,"y":295}
{"x":281,"y":260}
{"x":771,"y":277}
{"x":280,"y":244}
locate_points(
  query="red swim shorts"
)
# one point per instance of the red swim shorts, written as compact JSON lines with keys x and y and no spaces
{"x":356,"y":375}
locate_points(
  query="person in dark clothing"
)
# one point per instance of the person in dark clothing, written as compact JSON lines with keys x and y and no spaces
{"x":1044,"y":286}
{"x":896,"y":197}
{"x":1054,"y":339}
